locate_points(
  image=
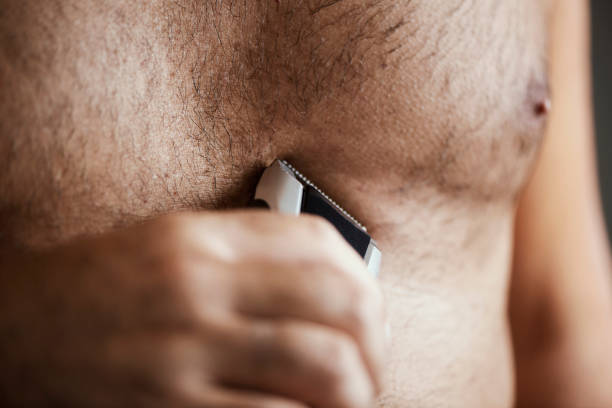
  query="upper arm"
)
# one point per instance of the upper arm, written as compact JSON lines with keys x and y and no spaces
{"x":561,"y":299}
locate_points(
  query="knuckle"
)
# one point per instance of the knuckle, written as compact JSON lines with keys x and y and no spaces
{"x":360,"y":314}
{"x":173,"y":244}
{"x":363,"y":300}
{"x":180,"y":353}
{"x":328,"y":284}
{"x":289,"y":340}
{"x":364,"y":310}
{"x":340,"y":358}
{"x":335,"y":364}
{"x":361,"y":303}
{"x":165,"y":235}
{"x":172,"y":226}
{"x":175,"y":263}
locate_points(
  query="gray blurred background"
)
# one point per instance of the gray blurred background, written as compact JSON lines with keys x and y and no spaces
{"x":601,"y":11}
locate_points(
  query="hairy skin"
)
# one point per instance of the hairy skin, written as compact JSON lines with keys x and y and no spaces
{"x":422,"y":117}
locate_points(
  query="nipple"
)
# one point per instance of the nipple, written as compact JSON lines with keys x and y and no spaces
{"x":538,"y":100}
{"x":542,"y":108}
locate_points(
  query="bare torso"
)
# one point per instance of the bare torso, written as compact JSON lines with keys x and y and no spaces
{"x":421,"y":117}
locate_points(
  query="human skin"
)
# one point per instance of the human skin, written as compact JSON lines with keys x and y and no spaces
{"x":194,"y":310}
{"x":423,"y":118}
{"x":560,"y":303}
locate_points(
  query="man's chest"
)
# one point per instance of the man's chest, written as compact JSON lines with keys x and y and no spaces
{"x":453,"y":94}
{"x":152,"y":107}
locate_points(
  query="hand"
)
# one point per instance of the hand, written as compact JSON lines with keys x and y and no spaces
{"x":248,"y":309}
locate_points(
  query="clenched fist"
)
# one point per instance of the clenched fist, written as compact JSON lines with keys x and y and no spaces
{"x":248,"y":309}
